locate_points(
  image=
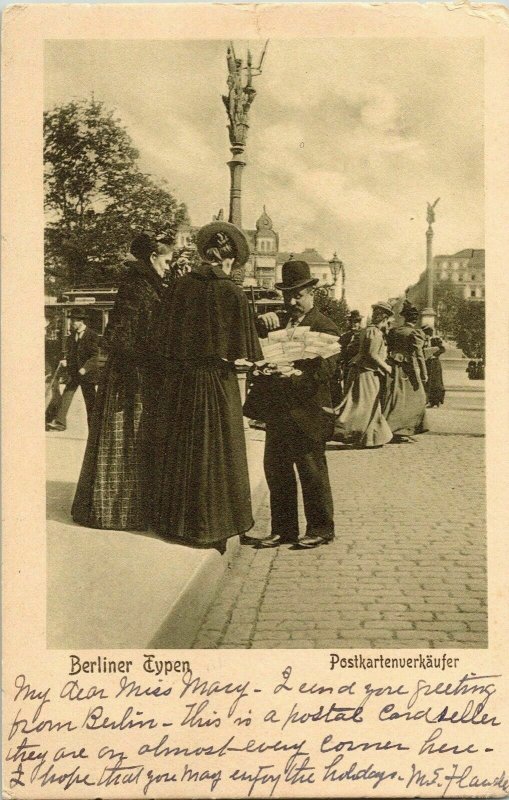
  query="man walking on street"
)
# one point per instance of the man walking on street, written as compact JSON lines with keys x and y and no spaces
{"x":296,"y":427}
{"x":349,"y":342}
{"x":81,"y":360}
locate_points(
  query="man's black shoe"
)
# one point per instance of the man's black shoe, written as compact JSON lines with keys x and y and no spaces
{"x":55,"y":426}
{"x":310,"y":542}
{"x":274,"y":540}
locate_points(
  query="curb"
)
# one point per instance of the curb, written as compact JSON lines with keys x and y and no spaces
{"x":184,"y":619}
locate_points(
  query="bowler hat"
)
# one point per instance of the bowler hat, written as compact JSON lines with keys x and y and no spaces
{"x":355,"y":316}
{"x":296,"y":275}
{"x":227,"y":229}
{"x":427,"y":329}
{"x":384,"y":306}
{"x":78,"y":313}
{"x":409,"y":311}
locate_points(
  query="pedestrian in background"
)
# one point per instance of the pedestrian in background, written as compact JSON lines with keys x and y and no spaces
{"x":433,"y":349}
{"x":114,"y":486}
{"x":81,"y":361}
{"x":201,"y":484}
{"x":405,"y":397}
{"x":359,"y":419}
{"x":350,"y":342}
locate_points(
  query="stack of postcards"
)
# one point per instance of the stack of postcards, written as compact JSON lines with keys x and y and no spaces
{"x":285,"y":346}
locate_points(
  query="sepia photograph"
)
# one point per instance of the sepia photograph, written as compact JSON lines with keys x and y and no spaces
{"x":254,"y":515}
{"x":265,"y":343}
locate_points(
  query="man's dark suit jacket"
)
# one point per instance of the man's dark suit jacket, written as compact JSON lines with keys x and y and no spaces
{"x":83,"y":354}
{"x":299,"y":397}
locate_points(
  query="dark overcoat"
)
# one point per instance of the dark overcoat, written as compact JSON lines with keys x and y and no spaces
{"x":113,"y":488}
{"x":82,"y":354}
{"x":300,"y":397}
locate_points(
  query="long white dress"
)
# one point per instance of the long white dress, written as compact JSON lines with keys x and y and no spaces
{"x":360,"y":420}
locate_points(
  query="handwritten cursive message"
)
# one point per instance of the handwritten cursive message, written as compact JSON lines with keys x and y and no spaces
{"x":163,"y":728}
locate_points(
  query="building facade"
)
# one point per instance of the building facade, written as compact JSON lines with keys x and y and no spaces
{"x":265,"y":262}
{"x":264,"y":246}
{"x":466,"y":269}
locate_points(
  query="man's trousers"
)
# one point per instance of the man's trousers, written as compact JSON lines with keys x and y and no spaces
{"x":88,"y":390}
{"x":287,"y":447}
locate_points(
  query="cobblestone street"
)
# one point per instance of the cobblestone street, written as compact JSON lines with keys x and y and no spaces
{"x":407,"y":567}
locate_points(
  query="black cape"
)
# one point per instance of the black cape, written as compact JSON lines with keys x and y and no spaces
{"x":205,"y":315}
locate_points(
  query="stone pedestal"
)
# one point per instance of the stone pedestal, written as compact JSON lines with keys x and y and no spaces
{"x":428,"y":317}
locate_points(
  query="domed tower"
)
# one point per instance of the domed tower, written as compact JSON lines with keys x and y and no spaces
{"x":266,"y":250}
{"x":264,"y":222}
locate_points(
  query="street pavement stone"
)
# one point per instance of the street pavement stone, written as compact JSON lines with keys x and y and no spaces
{"x":407,"y":567}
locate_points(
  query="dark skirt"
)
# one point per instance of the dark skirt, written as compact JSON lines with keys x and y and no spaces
{"x":112,"y":490}
{"x":201,"y":492}
{"x":435,"y":387}
{"x":404,"y":405}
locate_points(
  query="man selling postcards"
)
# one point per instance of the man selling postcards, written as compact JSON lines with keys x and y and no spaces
{"x":288,"y":391}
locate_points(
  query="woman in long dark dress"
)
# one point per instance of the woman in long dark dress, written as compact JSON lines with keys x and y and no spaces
{"x":434,"y":347}
{"x":113,"y":488}
{"x":201,"y":491}
{"x":404,"y":407}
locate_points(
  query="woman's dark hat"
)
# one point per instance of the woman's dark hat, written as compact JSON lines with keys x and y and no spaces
{"x":354,"y":316}
{"x":239,"y":239}
{"x":295,"y":275}
{"x":384,"y":306}
{"x":78,"y":313}
{"x":427,"y":329}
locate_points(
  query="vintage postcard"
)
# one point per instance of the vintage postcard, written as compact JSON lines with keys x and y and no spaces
{"x":254,"y":400}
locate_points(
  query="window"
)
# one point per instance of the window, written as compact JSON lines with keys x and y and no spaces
{"x":482,"y":292}
{"x":472,"y":292}
{"x":460,"y":276}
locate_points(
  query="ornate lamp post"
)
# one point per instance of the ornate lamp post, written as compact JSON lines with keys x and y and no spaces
{"x":428,"y":314}
{"x":338,"y":268}
{"x":238,"y":101}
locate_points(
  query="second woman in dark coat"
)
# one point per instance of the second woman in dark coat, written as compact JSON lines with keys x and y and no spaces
{"x":404,"y":407}
{"x":201,"y":486}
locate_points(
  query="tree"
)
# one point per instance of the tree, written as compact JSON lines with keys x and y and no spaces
{"x":447,"y":300}
{"x":96,"y":197}
{"x":470,"y":328}
{"x":336,"y":310}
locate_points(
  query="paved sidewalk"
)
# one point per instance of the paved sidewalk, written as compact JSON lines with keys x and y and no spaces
{"x":407,"y":568}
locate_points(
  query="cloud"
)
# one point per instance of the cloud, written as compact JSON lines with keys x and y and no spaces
{"x":348,"y":139}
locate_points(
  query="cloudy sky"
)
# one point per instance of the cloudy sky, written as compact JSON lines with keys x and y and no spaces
{"x":348,"y":140}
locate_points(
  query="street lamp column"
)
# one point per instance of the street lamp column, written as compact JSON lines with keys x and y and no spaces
{"x":337,"y":267}
{"x":238,"y":101}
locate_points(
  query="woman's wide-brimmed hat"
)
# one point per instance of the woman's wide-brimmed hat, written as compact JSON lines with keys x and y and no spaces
{"x":295,"y":275}
{"x":229,"y":230}
{"x":384,"y":306}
